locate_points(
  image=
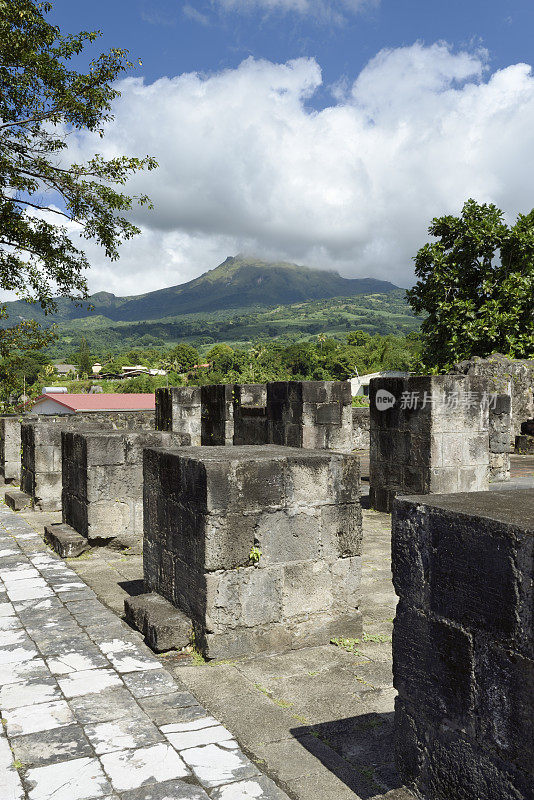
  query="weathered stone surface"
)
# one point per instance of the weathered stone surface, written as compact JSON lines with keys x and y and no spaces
{"x":178,"y":409}
{"x":162,"y":624}
{"x":500,"y":435}
{"x":432,"y":436}
{"x":250,"y":414}
{"x":310,"y":414}
{"x":17,"y":500}
{"x":361,"y":425}
{"x":10,"y":447}
{"x":41,"y":448}
{"x":463,"y":644}
{"x":524,"y":445}
{"x":514,"y":377}
{"x":65,"y":540}
{"x":217,"y":414}
{"x":259,"y":546}
{"x":102,"y":476}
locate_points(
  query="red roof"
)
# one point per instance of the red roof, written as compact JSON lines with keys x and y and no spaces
{"x":103,"y":402}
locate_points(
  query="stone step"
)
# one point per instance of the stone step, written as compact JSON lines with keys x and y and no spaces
{"x":67,"y":542}
{"x":18,"y":500}
{"x":163,"y":626}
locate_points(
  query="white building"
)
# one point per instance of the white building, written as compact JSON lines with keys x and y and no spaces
{"x":360,"y":384}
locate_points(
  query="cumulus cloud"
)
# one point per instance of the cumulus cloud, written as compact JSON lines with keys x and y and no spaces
{"x":246,"y":164}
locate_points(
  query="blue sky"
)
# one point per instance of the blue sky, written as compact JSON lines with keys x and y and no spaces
{"x":171,"y":40}
{"x":385,"y":114}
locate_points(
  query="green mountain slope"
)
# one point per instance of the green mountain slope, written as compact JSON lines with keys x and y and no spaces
{"x":373,"y":313}
{"x":238,"y":282}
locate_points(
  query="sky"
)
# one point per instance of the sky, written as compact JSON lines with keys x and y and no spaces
{"x":323,"y":132}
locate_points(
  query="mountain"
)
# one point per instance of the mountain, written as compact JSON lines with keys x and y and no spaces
{"x":236,"y":283}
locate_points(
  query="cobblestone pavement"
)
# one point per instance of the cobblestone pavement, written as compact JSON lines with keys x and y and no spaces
{"x":87,"y":710}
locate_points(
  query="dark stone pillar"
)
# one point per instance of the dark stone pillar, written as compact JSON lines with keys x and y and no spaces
{"x":463,"y":644}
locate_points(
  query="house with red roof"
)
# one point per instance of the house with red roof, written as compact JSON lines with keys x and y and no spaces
{"x":63,"y":403}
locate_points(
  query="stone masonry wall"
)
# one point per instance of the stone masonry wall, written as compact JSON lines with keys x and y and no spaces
{"x":250,"y":414}
{"x":506,"y":376}
{"x":361,"y":424}
{"x":217,"y":414}
{"x":259,"y":546}
{"x":500,"y":432}
{"x":428,"y":435}
{"x":314,"y":415}
{"x":178,"y":409}
{"x":10,"y":447}
{"x":463,"y":645}
{"x":308,"y":414}
{"x":41,"y":448}
{"x":102,"y":477}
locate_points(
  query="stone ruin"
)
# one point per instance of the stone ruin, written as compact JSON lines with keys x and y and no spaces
{"x":514,"y":377}
{"x":500,"y":433}
{"x":102,"y":479}
{"x":463,"y":644}
{"x":524,"y":443}
{"x":250,"y":414}
{"x":308,"y":414}
{"x":41,"y":477}
{"x":361,"y":428}
{"x":424,"y":443}
{"x":10,"y":447}
{"x":178,"y":409}
{"x":260,"y":547}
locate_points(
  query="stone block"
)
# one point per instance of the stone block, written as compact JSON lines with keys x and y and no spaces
{"x":10,"y":447}
{"x":102,"y":475}
{"x":428,"y":434}
{"x":65,"y":540}
{"x":463,"y":652}
{"x":163,"y":626}
{"x":238,"y":539}
{"x":17,"y":500}
{"x":361,"y":422}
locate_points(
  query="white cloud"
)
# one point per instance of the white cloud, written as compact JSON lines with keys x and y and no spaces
{"x":334,"y":11}
{"x":247,"y":165}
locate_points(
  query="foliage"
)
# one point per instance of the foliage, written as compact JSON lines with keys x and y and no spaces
{"x":41,"y":192}
{"x":181,"y":358}
{"x":325,"y":359}
{"x":20,"y":357}
{"x":476,"y":284}
{"x":83,"y":359}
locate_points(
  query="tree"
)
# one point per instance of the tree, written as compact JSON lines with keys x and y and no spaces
{"x":83,"y":359}
{"x":476,"y":286}
{"x":42,"y":100}
{"x":182,"y":357}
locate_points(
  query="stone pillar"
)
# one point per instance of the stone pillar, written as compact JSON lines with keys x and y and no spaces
{"x":178,"y":409}
{"x":41,"y":448}
{"x":310,"y":414}
{"x":259,"y":546}
{"x":217,"y":414}
{"x":250,"y":414}
{"x":10,"y":447}
{"x":102,"y":476}
{"x":429,"y":434}
{"x":463,"y":645}
{"x":500,"y":434}
{"x":361,"y":423}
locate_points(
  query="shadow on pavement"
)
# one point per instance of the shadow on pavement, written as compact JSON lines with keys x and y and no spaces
{"x":358,"y":750}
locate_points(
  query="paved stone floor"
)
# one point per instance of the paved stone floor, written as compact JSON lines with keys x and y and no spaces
{"x":317,"y":721}
{"x":87,"y":710}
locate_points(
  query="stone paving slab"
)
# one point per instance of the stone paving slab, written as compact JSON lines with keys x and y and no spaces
{"x":329,"y":693}
{"x":87,"y":710}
